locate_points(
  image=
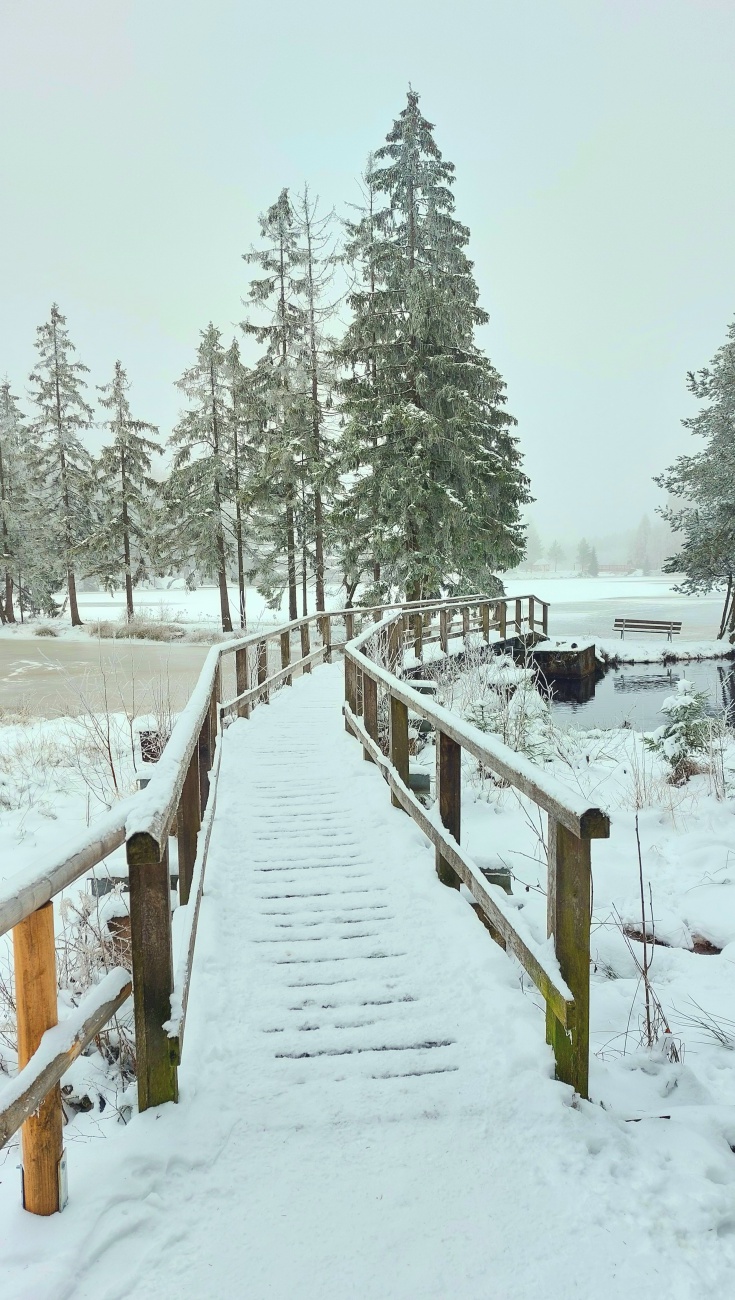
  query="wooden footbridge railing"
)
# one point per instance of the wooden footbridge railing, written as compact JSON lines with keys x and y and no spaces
{"x":180,"y":801}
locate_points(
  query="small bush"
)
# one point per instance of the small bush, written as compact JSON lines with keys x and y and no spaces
{"x":148,"y":629}
{"x":45,"y":629}
{"x":687,"y":731}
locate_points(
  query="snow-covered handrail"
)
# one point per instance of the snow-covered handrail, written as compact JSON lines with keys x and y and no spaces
{"x":562,"y":976}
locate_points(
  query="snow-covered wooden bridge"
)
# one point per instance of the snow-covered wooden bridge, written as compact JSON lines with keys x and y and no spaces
{"x":336,"y":997}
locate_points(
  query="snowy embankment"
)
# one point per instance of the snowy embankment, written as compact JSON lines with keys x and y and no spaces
{"x":367,"y":1104}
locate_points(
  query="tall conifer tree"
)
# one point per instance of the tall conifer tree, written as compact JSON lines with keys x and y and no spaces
{"x":61,"y":463}
{"x":437,"y":471}
{"x":200,"y":484}
{"x":119,"y":544}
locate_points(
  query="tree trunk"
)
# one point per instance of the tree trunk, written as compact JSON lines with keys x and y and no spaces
{"x":71,"y":584}
{"x":126,"y":542}
{"x":291,"y":559}
{"x":224,"y":599}
{"x":9,"y":613}
{"x":727,"y":610}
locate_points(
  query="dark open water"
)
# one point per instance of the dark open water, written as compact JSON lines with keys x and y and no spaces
{"x":634,"y":693}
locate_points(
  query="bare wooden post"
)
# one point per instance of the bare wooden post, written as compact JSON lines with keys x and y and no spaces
{"x":518,"y":619}
{"x":449,"y":782}
{"x":214,"y":699}
{"x":350,"y":688}
{"x":34,"y":953}
{"x":444,"y":630}
{"x":204,"y":749}
{"x":325,"y":627}
{"x":305,"y":644}
{"x":502,"y":619}
{"x":150,"y":942}
{"x":286,"y":654}
{"x":358,"y":691}
{"x":568,"y":917}
{"x":395,"y":643}
{"x":465,"y":621}
{"x":370,"y":709}
{"x":418,"y":636}
{"x":544,"y":618}
{"x":188,"y":821}
{"x":241,"y":680}
{"x":349,"y":626}
{"x":485,"y":617}
{"x":399,"y":742}
{"x":531,"y":614}
{"x":263,"y":669}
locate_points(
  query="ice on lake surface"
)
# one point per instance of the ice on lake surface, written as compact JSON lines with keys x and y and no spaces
{"x":633,"y":694}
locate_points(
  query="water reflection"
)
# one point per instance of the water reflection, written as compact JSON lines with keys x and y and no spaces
{"x":632,"y":695}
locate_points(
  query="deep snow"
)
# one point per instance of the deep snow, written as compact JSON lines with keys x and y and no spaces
{"x":367,"y":1105}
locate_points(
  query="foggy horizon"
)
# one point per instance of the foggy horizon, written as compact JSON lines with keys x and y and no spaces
{"x":588,"y":139}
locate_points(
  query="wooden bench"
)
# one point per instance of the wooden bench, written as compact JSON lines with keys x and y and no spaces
{"x":623,"y":625}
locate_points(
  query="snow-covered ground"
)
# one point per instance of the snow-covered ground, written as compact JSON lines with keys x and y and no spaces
{"x":367,"y":1104}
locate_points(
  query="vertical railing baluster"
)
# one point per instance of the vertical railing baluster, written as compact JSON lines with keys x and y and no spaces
{"x":188,"y":822}
{"x":152,"y":958}
{"x":286,"y":655}
{"x":241,"y":680}
{"x":399,"y":742}
{"x":370,"y":710}
{"x":449,"y":787}
{"x":305,"y":643}
{"x":568,"y":921}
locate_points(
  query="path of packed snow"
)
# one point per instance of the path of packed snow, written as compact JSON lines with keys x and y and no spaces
{"x":367,"y":1108}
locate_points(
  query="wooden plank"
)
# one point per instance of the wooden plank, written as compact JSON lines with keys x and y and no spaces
{"x":569,"y":808}
{"x":418,"y":636}
{"x":502,"y":614}
{"x":241,"y":680}
{"x":568,"y":916}
{"x":485,"y":620}
{"x":349,"y":625}
{"x":189,"y":820}
{"x":518,"y":618}
{"x":34,"y":956}
{"x":150,"y":940}
{"x":465,"y":621}
{"x":531,"y":614}
{"x":444,"y":630}
{"x":449,"y":786}
{"x":545,"y":977}
{"x":42,"y":1072}
{"x":370,"y":710}
{"x":399,"y":742}
{"x":204,"y":761}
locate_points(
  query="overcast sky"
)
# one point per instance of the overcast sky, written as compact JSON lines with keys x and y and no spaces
{"x":594,"y":147}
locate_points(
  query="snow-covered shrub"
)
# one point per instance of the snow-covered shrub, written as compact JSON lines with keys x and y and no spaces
{"x":686,"y":733}
{"x":500,"y":697}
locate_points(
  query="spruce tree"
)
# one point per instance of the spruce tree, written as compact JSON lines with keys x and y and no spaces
{"x":200,"y":484}
{"x":704,"y":485}
{"x":436,"y":468}
{"x":246,"y":414}
{"x":119,"y":543}
{"x":61,"y":463}
{"x":278,"y":292}
{"x":11,"y":489}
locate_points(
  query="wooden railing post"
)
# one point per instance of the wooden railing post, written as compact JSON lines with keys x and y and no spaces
{"x":34,"y":953}
{"x":263,"y":669}
{"x":418,"y":636}
{"x":399,"y":742}
{"x":531,"y":614}
{"x":349,"y":626}
{"x":214,"y":700}
{"x":205,"y":746}
{"x":286,"y":655}
{"x":370,"y":709}
{"x":519,"y":618}
{"x":241,"y":680}
{"x":449,"y":786}
{"x":188,"y":821}
{"x":465,"y":621}
{"x":502,"y":619}
{"x":350,"y":688}
{"x":568,"y":917}
{"x":395,"y":644}
{"x":305,"y":644}
{"x":150,"y":942}
{"x":444,"y":630}
{"x":325,"y":627}
{"x":485,"y":617}
{"x":544,"y":618}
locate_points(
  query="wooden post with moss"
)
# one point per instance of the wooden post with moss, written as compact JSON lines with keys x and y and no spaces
{"x":34,"y":959}
{"x":449,"y":786}
{"x":150,"y":943}
{"x":568,"y":920}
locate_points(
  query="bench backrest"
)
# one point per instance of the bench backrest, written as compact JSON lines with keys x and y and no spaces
{"x":648,"y":625}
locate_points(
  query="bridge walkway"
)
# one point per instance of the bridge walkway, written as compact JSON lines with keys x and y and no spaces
{"x":366,"y":1103}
